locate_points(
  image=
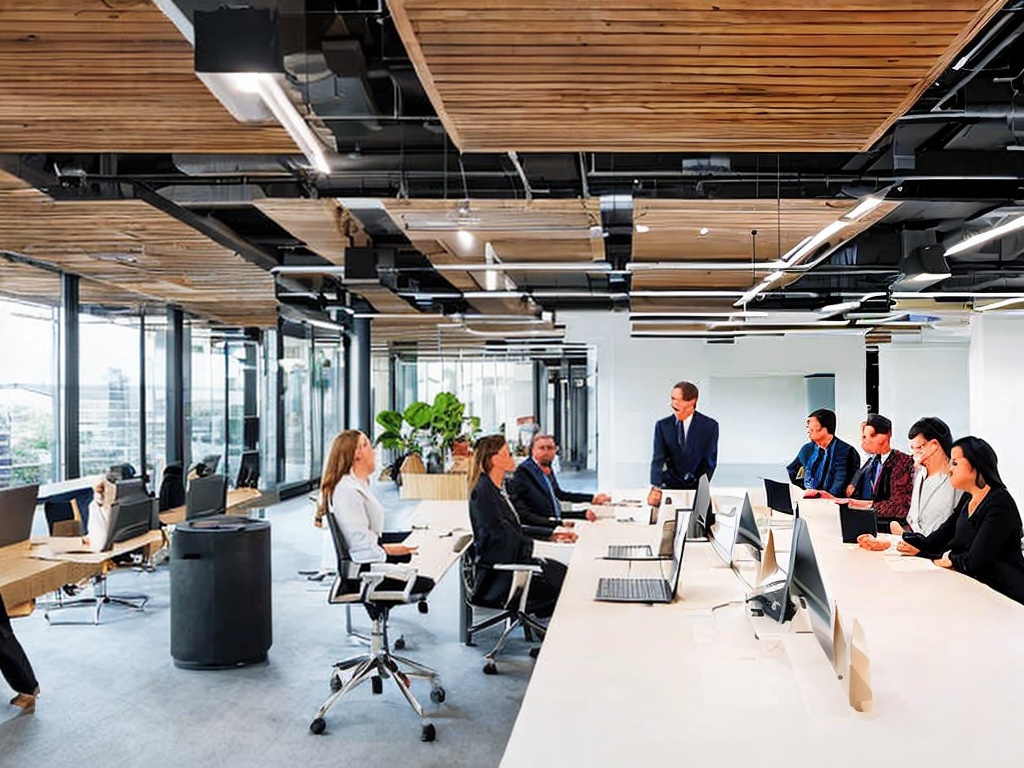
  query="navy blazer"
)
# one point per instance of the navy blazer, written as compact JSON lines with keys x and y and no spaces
{"x":842,"y":463}
{"x":497,"y":538}
{"x":672,"y":466}
{"x":528,"y":490}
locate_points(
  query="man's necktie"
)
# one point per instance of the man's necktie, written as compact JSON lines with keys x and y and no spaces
{"x":681,"y":434}
{"x":551,"y":492}
{"x":876,"y":473}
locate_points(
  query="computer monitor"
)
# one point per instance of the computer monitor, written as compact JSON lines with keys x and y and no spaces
{"x":206,"y":496}
{"x":748,"y":532}
{"x":130,"y":489}
{"x":131,"y":518}
{"x":17,"y":507}
{"x":778,"y":496}
{"x":724,"y":534}
{"x":701,"y":518}
{"x":773,"y":597}
{"x":248,"y":470}
{"x":212,"y":461}
{"x":806,"y":583}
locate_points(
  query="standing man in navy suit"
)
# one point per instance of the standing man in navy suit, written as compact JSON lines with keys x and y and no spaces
{"x":535,"y":491}
{"x":685,"y":445}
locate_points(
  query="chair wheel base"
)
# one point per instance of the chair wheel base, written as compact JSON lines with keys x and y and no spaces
{"x":378,"y":685}
{"x":335,"y":684}
{"x":490,"y":668}
{"x":437,"y":695}
{"x":429,"y":733}
{"x":400,"y":644}
{"x":318,"y":725}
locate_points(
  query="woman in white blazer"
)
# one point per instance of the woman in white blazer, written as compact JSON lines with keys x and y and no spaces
{"x":345,"y":493}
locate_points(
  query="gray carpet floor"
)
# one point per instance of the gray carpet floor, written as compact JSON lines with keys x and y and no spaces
{"x":112,"y":696}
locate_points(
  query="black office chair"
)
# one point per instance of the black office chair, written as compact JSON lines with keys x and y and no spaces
{"x":172,"y":487}
{"x":512,"y":610}
{"x":378,"y":589}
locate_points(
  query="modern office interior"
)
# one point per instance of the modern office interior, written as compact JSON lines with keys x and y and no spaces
{"x":227,"y":234}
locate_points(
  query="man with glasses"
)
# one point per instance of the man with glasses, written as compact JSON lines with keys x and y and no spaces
{"x":536,"y":494}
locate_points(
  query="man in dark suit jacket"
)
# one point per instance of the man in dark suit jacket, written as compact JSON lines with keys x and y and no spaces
{"x":886,"y":480}
{"x":535,"y":491}
{"x":685,"y":445}
{"x":833,"y":462}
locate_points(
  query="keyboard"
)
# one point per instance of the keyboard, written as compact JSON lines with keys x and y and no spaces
{"x":629,"y":551}
{"x":633,"y":590}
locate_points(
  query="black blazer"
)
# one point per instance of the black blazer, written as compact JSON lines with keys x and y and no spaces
{"x":497,"y":538}
{"x":985,"y":545}
{"x":672,"y":466}
{"x":529,"y":493}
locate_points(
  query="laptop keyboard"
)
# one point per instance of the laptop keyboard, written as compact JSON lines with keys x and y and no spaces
{"x":629,"y":551}
{"x":636,"y":590}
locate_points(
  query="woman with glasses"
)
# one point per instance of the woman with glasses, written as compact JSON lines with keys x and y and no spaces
{"x":933,"y":498}
{"x":982,"y":538}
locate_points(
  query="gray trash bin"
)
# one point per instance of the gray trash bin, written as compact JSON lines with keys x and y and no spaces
{"x":220,"y":592}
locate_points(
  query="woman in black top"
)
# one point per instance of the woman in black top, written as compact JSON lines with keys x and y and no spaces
{"x":983,"y":536}
{"x":498,"y":535}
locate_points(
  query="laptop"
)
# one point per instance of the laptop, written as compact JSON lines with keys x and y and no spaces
{"x":643,"y":551}
{"x":854,"y":522}
{"x":17,"y":508}
{"x":779,"y":499}
{"x":648,"y":590}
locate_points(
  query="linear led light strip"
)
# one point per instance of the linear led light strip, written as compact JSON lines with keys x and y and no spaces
{"x":983,"y":237}
{"x":277,"y":101}
{"x":808,"y":246}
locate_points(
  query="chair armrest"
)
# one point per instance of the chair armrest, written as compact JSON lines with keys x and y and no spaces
{"x":517,"y":567}
{"x":378,"y":572}
{"x":522,"y":575}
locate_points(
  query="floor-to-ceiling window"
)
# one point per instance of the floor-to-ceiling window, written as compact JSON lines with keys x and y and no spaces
{"x":206,"y":425}
{"x":29,"y":404}
{"x":155,"y":364}
{"x":328,"y":395}
{"x":109,"y":409}
{"x":296,"y":373}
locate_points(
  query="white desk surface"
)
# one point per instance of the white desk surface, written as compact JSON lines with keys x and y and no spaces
{"x":436,"y":528}
{"x":625,"y":685}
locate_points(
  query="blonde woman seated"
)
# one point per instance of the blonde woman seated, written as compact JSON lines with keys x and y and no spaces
{"x":499,"y":537}
{"x":345,"y":493}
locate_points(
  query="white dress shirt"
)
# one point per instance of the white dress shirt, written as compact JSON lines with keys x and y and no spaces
{"x":932,"y":501}
{"x":98,"y":530}
{"x":361,"y":519}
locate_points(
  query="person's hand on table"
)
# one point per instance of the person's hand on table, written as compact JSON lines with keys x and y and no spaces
{"x":591,"y":515}
{"x":568,"y":523}
{"x":906,"y":549}
{"x":654,"y":497}
{"x":871,"y":543}
{"x":944,"y":561}
{"x":601,"y":498}
{"x":858,"y":503}
{"x":816,"y":494}
{"x":400,"y":550}
{"x":895,"y":528}
{"x":564,"y":536}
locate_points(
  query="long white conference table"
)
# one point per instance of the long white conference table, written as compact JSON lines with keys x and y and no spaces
{"x":622,"y":685}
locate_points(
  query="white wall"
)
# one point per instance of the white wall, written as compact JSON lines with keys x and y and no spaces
{"x":930,"y":378}
{"x":634,"y":377}
{"x":996,"y":381}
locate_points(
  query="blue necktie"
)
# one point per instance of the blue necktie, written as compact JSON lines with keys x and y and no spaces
{"x":551,"y":492}
{"x":681,"y":435}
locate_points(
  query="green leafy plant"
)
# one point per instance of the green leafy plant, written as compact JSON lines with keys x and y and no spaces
{"x":427,"y":428}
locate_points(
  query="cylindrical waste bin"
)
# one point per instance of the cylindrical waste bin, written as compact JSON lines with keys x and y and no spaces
{"x":220,"y":592}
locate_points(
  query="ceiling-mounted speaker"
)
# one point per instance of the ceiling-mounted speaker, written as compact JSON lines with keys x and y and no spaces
{"x":236,"y":40}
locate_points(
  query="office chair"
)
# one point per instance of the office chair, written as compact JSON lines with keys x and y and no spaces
{"x":512,"y":610}
{"x":172,"y":487}
{"x":378,"y":590}
{"x":99,"y":598}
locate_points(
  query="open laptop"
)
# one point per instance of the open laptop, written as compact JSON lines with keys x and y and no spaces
{"x":854,"y":522}
{"x":778,"y":496}
{"x":643,"y":551}
{"x":648,"y":590}
{"x":17,"y":508}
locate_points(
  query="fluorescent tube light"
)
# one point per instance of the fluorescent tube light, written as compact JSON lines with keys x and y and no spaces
{"x":989,"y":234}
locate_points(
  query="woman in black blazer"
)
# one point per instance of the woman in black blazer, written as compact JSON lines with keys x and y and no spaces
{"x":498,"y":535}
{"x":983,"y":536}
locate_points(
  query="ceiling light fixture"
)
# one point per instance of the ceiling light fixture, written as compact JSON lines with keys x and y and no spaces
{"x":642,"y":229}
{"x":1000,"y":304}
{"x":703,"y":231}
{"x":986,"y":235}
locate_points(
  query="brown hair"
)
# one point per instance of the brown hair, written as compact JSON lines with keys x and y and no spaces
{"x":483,"y":456}
{"x":339,"y":464}
{"x":689,"y":390}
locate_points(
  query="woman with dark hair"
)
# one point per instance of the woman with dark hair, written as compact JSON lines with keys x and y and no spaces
{"x":498,"y":535}
{"x":933,"y":499}
{"x":983,"y":537}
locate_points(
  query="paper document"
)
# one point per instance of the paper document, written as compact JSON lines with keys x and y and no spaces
{"x":906,"y":564}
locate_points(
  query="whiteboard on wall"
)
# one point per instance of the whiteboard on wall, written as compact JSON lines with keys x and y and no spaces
{"x":760,"y":418}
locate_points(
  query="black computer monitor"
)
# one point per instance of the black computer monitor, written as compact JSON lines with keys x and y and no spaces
{"x":778,"y":496}
{"x":773,"y":597}
{"x":747,"y":532}
{"x":701,"y":517}
{"x":17,"y":507}
{"x":206,"y":496}
{"x":130,"y":518}
{"x":806,"y":583}
{"x":130,"y":489}
{"x":212,"y":461}
{"x":248,"y":470}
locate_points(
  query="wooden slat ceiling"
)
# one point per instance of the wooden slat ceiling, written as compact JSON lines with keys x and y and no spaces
{"x":138,"y":249}
{"x":39,"y":286}
{"x":687,"y":75}
{"x":451,"y":232}
{"x":675,"y":227}
{"x":431,"y":331}
{"x":110,"y":76}
{"x":324,"y":226}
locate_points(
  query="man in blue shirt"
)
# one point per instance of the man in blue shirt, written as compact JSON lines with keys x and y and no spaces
{"x":536,"y":494}
{"x":833,"y":462}
{"x":685,"y":445}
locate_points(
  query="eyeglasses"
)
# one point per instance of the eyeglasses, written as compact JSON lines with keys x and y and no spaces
{"x":918,"y":447}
